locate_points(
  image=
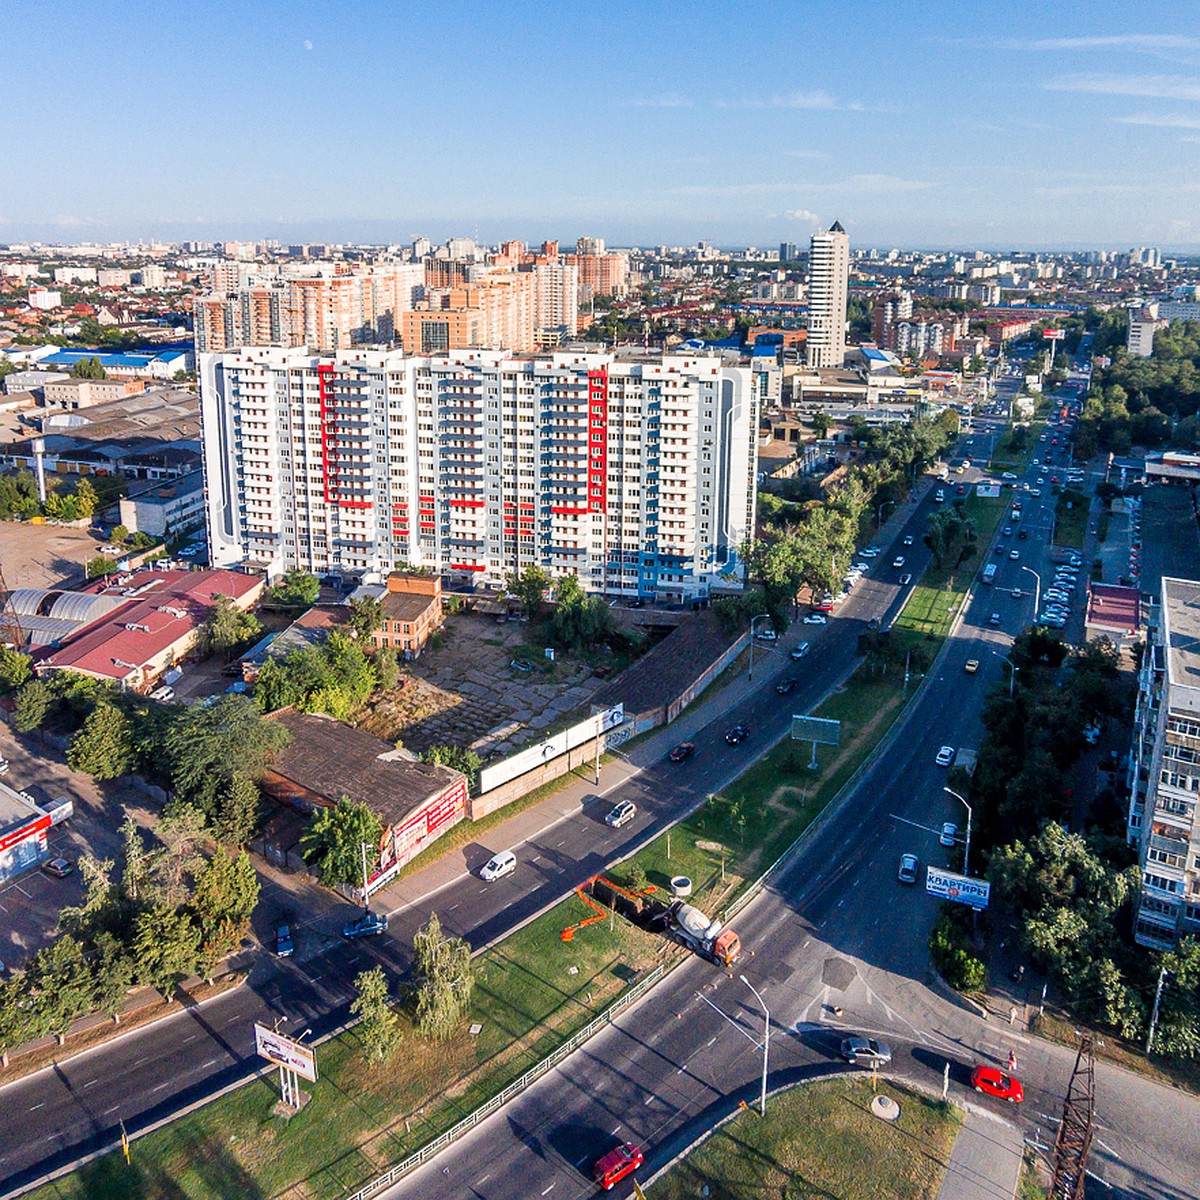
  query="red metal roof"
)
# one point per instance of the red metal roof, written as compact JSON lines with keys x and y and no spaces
{"x":1113,"y":607}
{"x":164,"y":608}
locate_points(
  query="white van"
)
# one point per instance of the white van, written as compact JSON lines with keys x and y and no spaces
{"x":498,"y":866}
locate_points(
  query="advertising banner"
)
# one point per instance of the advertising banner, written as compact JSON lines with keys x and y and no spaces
{"x":284,"y":1052}
{"x":947,"y":885}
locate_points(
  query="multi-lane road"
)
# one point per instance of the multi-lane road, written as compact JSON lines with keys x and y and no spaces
{"x":836,"y":927}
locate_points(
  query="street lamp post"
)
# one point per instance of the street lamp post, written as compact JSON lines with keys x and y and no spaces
{"x":762,"y":1105}
{"x":879,"y":512}
{"x":967,"y":849}
{"x":1037,"y":587}
{"x":1008,"y":662}
{"x":759,"y":617}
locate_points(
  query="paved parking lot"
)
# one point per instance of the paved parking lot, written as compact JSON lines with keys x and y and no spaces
{"x":40,"y":556}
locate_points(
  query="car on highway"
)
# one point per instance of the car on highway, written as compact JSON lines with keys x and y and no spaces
{"x":1022,"y":534}
{"x":785,"y":686}
{"x":994,"y":620}
{"x":908,"y":539}
{"x":1006,"y":531}
{"x":867,"y":1052}
{"x":945,"y":756}
{"x":368,"y":925}
{"x":1014,"y":555}
{"x":992,"y":1081}
{"x":499,"y":865}
{"x":898,"y":561}
{"x":284,"y":946}
{"x":737,"y":735}
{"x":815,"y":618}
{"x":908,"y":868}
{"x":869,"y":552}
{"x":616,"y":1164}
{"x":1008,"y":475}
{"x":800,"y":650}
{"x":60,"y":868}
{"x":1035,"y":491}
{"x":971,"y":666}
{"x":683,"y":751}
{"x":949,"y":833}
{"x":905,"y":579}
{"x":621,"y":814}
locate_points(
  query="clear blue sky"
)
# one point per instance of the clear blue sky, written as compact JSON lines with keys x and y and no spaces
{"x":915,"y":124}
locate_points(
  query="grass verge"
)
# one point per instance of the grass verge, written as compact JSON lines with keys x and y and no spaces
{"x":820,"y":1139}
{"x":1070,"y":519}
{"x":533,"y":992}
{"x":934,"y":602}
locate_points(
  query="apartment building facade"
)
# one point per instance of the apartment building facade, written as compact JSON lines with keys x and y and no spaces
{"x":828,"y":293}
{"x":636,"y":475}
{"x":1164,"y":770}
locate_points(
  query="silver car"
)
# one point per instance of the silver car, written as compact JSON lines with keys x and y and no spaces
{"x":867,"y":1052}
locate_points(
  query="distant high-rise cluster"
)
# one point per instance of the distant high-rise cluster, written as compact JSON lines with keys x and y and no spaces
{"x":828,"y":292}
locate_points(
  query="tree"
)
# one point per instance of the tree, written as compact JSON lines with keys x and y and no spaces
{"x":578,"y":620}
{"x":820,"y":423}
{"x":15,"y":669}
{"x":135,"y":863}
{"x":333,"y":841}
{"x":238,"y":811}
{"x":33,"y":703}
{"x":63,"y":985}
{"x":85,"y":499}
{"x":445,"y":979}
{"x":458,"y":759}
{"x":119,"y":535}
{"x":20,"y":1021}
{"x":89,"y":368}
{"x":387,"y":667}
{"x":529,"y":586}
{"x":94,"y":568}
{"x":208,"y":747}
{"x":378,"y":1028}
{"x":166,"y":947}
{"x":366,"y":616}
{"x":224,"y":897}
{"x":103,"y":747}
{"x":114,"y":975}
{"x":100,"y":899}
{"x":297,"y":589}
{"x":227,"y":627}
{"x":181,"y":831}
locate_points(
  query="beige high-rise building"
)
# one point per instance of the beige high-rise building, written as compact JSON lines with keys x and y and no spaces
{"x":828,"y":292}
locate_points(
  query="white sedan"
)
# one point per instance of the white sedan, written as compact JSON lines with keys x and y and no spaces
{"x":945,"y":756}
{"x":815,"y":619}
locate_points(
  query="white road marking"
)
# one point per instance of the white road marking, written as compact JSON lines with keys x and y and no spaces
{"x":90,"y":1082}
{"x":484,"y":1179}
{"x":549,"y":1189}
{"x":711,"y":1041}
{"x":1110,"y":1150}
{"x":37,"y":1106}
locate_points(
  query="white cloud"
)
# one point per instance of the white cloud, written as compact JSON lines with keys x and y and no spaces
{"x":851,"y":185}
{"x":803,"y":154}
{"x":1161,"y":87}
{"x":1120,"y":41}
{"x":802,"y":214}
{"x":1163,"y":120}
{"x":669,"y":100}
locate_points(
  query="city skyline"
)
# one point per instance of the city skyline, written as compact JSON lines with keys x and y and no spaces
{"x":636,"y":123}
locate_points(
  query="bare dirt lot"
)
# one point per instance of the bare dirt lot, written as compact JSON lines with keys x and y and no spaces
{"x":41,"y":556}
{"x":468,"y":693}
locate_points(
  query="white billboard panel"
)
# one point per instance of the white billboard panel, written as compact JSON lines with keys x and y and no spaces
{"x":284,"y":1052}
{"x":525,"y":760}
{"x":948,"y":885}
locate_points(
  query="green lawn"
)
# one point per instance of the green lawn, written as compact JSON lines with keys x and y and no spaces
{"x":933,"y":603}
{"x":1070,"y":524}
{"x":820,"y":1140}
{"x":1009,"y":456}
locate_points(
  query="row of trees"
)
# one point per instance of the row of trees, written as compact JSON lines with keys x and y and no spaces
{"x":576,"y":621}
{"x":169,"y":910}
{"x":335,"y":677}
{"x":19,"y":499}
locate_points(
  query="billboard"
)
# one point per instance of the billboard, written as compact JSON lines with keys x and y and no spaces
{"x":284,"y":1052}
{"x":947,"y":885}
{"x":817,"y":729}
{"x":495,"y":774}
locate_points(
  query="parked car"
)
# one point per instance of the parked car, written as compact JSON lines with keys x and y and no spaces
{"x":945,"y":756}
{"x":994,"y":1082}
{"x":682,"y":751}
{"x":949,"y":833}
{"x":3,"y":766}
{"x":283,"y":941}
{"x":905,"y":579}
{"x":616,"y":1164}
{"x":994,"y":620}
{"x":499,"y":865}
{"x":737,"y":735}
{"x":816,"y":618}
{"x":800,"y":650}
{"x":908,"y":539}
{"x":868,"y":1052}
{"x":767,"y":635}
{"x":60,"y":868}
{"x":368,"y":925}
{"x":621,"y":814}
{"x":898,"y":561}
{"x":972,"y":665}
{"x":908,"y":868}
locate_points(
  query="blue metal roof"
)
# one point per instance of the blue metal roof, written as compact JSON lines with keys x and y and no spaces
{"x":68,"y":358}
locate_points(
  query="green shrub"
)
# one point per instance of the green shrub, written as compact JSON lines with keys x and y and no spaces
{"x":953,"y":956}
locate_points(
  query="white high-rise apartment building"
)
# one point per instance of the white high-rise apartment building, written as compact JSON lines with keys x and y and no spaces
{"x":828,"y":291}
{"x":636,"y":475}
{"x":1164,"y":770}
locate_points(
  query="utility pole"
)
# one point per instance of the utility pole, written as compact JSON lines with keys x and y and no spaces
{"x":762,"y":1105}
{"x":366,"y":897}
{"x":1074,"y":1140}
{"x":1162,"y":978}
{"x":750,"y":673}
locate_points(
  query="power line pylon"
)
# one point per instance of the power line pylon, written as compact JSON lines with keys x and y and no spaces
{"x":1074,"y":1140}
{"x":11,"y":632}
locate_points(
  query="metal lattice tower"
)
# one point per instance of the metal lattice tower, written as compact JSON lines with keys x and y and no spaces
{"x":10,"y":624}
{"x":1075,"y":1131}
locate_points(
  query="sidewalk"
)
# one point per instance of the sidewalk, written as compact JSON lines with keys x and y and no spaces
{"x":985,"y":1163}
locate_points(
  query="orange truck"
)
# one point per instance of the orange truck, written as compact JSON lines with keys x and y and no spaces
{"x":702,"y":935}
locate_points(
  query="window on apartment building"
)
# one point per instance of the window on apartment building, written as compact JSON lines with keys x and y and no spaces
{"x":1185,"y":783}
{"x":1192,"y":912}
{"x":1174,"y":886}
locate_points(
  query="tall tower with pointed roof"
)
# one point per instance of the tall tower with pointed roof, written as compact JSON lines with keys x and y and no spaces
{"x":828,"y":290}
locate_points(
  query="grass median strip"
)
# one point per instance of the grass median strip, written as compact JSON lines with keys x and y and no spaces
{"x":820,"y":1139}
{"x":533,"y":992}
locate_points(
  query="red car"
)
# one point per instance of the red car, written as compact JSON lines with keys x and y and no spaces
{"x":616,"y":1164}
{"x":994,"y":1082}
